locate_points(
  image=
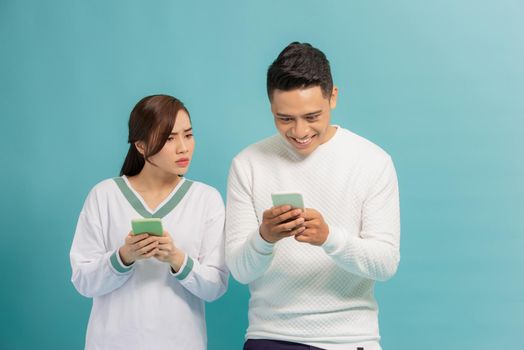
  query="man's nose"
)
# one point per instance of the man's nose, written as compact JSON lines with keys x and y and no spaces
{"x":301,"y":128}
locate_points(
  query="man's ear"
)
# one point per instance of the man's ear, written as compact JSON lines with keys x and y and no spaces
{"x":140,"y":147}
{"x":333,"y":97}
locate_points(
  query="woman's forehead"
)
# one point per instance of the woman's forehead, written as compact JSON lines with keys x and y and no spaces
{"x":182,"y":121}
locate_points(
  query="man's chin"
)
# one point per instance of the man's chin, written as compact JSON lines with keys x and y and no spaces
{"x":304,"y":151}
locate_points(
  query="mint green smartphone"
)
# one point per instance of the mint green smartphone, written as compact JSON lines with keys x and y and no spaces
{"x":151,"y":226}
{"x":293,"y":199}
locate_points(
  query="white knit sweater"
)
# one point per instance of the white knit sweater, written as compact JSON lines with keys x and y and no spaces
{"x":321,"y":296}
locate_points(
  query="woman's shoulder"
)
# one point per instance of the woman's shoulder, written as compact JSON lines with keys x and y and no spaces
{"x":107,"y":185}
{"x":203,"y":187}
{"x":104,"y":188}
{"x":101,"y":195}
{"x":204,"y":191}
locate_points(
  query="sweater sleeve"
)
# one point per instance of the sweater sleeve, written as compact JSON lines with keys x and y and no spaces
{"x":95,"y":269}
{"x":247,"y":255}
{"x":375,"y":252}
{"x":206,"y":276}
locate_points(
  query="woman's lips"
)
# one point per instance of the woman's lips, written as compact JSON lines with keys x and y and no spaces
{"x":184,"y":162}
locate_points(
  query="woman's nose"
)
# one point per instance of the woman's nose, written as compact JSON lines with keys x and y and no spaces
{"x":181,"y":146}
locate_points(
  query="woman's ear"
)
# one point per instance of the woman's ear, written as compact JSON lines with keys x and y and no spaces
{"x":140,"y":147}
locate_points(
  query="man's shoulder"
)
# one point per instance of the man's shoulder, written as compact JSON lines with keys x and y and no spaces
{"x":265,"y":147}
{"x":363,"y":148}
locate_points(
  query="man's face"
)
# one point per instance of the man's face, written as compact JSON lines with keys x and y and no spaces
{"x":302,"y":117}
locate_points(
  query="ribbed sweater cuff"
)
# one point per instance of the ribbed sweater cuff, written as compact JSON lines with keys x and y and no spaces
{"x":260,"y":245}
{"x":335,"y":242}
{"x":185,"y":269}
{"x":117,"y":263}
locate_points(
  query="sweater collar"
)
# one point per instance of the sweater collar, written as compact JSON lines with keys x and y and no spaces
{"x":298,"y":156}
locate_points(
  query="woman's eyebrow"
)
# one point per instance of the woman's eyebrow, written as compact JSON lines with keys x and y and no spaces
{"x":186,"y":130}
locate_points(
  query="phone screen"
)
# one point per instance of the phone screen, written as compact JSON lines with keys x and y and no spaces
{"x":295,"y":200}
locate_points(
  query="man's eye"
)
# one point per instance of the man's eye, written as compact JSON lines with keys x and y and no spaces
{"x":189,"y":136}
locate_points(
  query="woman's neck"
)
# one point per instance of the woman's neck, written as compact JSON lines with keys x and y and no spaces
{"x":153,"y":186}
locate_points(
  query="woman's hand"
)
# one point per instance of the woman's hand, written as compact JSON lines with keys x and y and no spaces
{"x":169,"y":253}
{"x":137,"y":247}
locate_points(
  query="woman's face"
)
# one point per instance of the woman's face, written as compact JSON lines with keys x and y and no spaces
{"x":174,"y":158}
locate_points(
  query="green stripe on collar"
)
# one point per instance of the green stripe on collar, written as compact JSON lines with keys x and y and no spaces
{"x":139,"y":207}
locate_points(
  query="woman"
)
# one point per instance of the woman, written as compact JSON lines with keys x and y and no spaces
{"x":149,"y":291}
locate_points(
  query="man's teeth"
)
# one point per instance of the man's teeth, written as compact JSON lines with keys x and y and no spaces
{"x":306,"y":140}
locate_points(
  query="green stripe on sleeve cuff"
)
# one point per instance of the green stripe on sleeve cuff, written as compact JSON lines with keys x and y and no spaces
{"x":117,"y":264}
{"x":187,"y":269}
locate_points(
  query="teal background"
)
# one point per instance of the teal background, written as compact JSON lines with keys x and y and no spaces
{"x":439,"y":85}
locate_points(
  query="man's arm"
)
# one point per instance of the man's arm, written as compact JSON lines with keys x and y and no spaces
{"x":249,"y":245}
{"x":247,"y":255}
{"x":375,"y":252}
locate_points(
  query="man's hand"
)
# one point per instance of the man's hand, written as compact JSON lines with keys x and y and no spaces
{"x":281,"y":222}
{"x":316,"y":230}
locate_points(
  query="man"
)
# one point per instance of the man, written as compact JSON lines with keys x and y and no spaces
{"x":311,"y":272}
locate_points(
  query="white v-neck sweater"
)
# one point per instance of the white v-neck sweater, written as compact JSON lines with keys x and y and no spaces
{"x":146,"y":306}
{"x":321,"y":296}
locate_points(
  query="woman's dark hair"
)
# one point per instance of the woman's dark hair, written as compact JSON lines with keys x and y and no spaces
{"x":151,"y":121}
{"x":300,"y":66}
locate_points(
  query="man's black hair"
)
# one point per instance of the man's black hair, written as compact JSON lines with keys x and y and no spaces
{"x":300,"y":66}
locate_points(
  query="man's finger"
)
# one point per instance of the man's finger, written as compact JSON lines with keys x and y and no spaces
{"x":302,"y":238}
{"x":309,"y":214}
{"x":285,"y":217}
{"x":299,"y":230}
{"x":289,"y":226}
{"x":276,"y":211}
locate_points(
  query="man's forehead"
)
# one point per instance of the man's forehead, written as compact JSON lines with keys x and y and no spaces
{"x":299,"y":101}
{"x":305,"y":92}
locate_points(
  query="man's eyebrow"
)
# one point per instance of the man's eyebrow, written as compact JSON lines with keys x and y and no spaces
{"x":285,"y":115}
{"x":313,"y":113}
{"x":310,"y":114}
